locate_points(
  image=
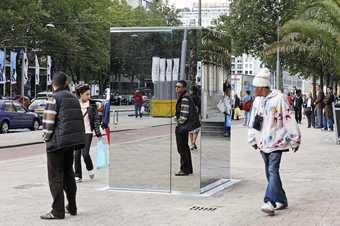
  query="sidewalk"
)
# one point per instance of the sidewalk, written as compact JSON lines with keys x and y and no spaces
{"x":310,"y":178}
{"x":125,"y":123}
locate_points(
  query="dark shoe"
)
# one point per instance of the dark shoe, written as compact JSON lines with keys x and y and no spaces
{"x":50,"y":216}
{"x":181,"y":173}
{"x":68,"y":211}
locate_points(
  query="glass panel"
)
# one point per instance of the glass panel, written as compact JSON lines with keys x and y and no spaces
{"x":140,"y":153}
{"x":215,"y":146}
{"x":186,"y":46}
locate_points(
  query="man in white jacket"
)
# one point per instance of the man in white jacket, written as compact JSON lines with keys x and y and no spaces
{"x":272,"y":131}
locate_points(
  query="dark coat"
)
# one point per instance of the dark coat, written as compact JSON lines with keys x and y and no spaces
{"x":319,"y":100}
{"x":328,"y":102}
{"x":69,"y":125}
{"x":192,"y":121}
{"x":94,"y":119}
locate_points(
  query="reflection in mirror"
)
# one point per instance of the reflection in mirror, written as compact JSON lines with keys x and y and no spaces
{"x":215,"y":141}
{"x":140,"y":149}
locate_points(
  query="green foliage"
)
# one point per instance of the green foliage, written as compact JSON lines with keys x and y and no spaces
{"x":80,"y":42}
{"x":313,"y":36}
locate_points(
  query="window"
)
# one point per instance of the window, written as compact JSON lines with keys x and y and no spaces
{"x":19,"y":108}
{"x":251,"y":72}
{"x":246,"y":72}
{"x":239,"y":66}
{"x":9,"y":107}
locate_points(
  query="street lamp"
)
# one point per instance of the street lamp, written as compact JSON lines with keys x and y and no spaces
{"x":278,"y":50}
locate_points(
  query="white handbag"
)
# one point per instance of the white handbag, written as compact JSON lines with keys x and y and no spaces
{"x":221,"y":106}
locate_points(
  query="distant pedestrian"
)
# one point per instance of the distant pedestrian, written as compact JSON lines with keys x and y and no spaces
{"x":328,"y":101}
{"x":63,"y":131}
{"x":272,"y":131}
{"x":91,"y":123}
{"x":290,"y":99}
{"x":297,"y":105}
{"x":227,"y":112}
{"x":247,"y":101}
{"x":308,"y":109}
{"x":196,"y":98}
{"x":319,"y":105}
{"x":138,"y":101}
{"x":185,"y":115}
{"x":236,"y":107}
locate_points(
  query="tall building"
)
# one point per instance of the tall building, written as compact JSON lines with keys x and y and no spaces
{"x":135,"y":3}
{"x":211,"y":10}
{"x":143,"y":3}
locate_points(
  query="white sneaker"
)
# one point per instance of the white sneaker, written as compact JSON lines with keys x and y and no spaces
{"x":281,"y":206}
{"x":91,"y":174}
{"x":78,"y":179}
{"x":268,"y":208}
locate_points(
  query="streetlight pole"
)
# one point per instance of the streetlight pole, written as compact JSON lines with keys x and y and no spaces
{"x":199,"y":12}
{"x":278,"y":52}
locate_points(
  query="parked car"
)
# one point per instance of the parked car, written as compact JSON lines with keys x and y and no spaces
{"x":38,"y":106}
{"x":14,"y":115}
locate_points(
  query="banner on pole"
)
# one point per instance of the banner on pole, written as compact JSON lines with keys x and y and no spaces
{"x":25,"y":68}
{"x":37,"y":71}
{"x":13,"y":68}
{"x":168,"y":76}
{"x":155,"y":69}
{"x":175,"y":72}
{"x":162,"y":68}
{"x":49,"y":66}
{"x":2,"y":67}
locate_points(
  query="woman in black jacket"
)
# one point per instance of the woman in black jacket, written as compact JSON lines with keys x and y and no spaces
{"x":196,"y":99}
{"x":91,"y":124}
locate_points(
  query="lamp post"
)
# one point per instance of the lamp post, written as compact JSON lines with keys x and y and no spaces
{"x":199,"y":12}
{"x":278,"y":51}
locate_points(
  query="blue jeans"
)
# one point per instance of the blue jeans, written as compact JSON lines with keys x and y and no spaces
{"x":318,"y":118}
{"x":247,"y":117}
{"x":138,"y":109}
{"x":274,"y":192}
{"x":328,"y":122}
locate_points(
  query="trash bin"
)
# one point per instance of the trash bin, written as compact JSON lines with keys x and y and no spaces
{"x":336,"y":115}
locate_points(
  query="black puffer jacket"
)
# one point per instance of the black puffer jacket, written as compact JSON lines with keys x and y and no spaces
{"x":69,"y":128}
{"x":94,"y":118}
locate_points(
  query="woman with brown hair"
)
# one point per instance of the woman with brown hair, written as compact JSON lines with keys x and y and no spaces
{"x":92,"y":124}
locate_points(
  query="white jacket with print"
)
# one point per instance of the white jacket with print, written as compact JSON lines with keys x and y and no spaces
{"x":279,"y":129}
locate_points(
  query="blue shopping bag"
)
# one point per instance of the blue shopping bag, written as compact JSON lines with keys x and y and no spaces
{"x":101,"y":154}
{"x":228,"y":120}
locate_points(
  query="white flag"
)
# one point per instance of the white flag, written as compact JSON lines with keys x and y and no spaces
{"x":37,"y":71}
{"x":168,"y":76}
{"x":155,"y":69}
{"x":25,"y":68}
{"x":49,"y":66}
{"x":162,"y":68}
{"x":2,"y":67}
{"x":175,"y":72}
{"x":13,"y":68}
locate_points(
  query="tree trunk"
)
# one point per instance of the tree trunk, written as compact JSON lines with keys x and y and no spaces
{"x":314,"y":86}
{"x":321,"y":79}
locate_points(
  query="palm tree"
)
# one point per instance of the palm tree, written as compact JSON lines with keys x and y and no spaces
{"x":313,"y":37}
